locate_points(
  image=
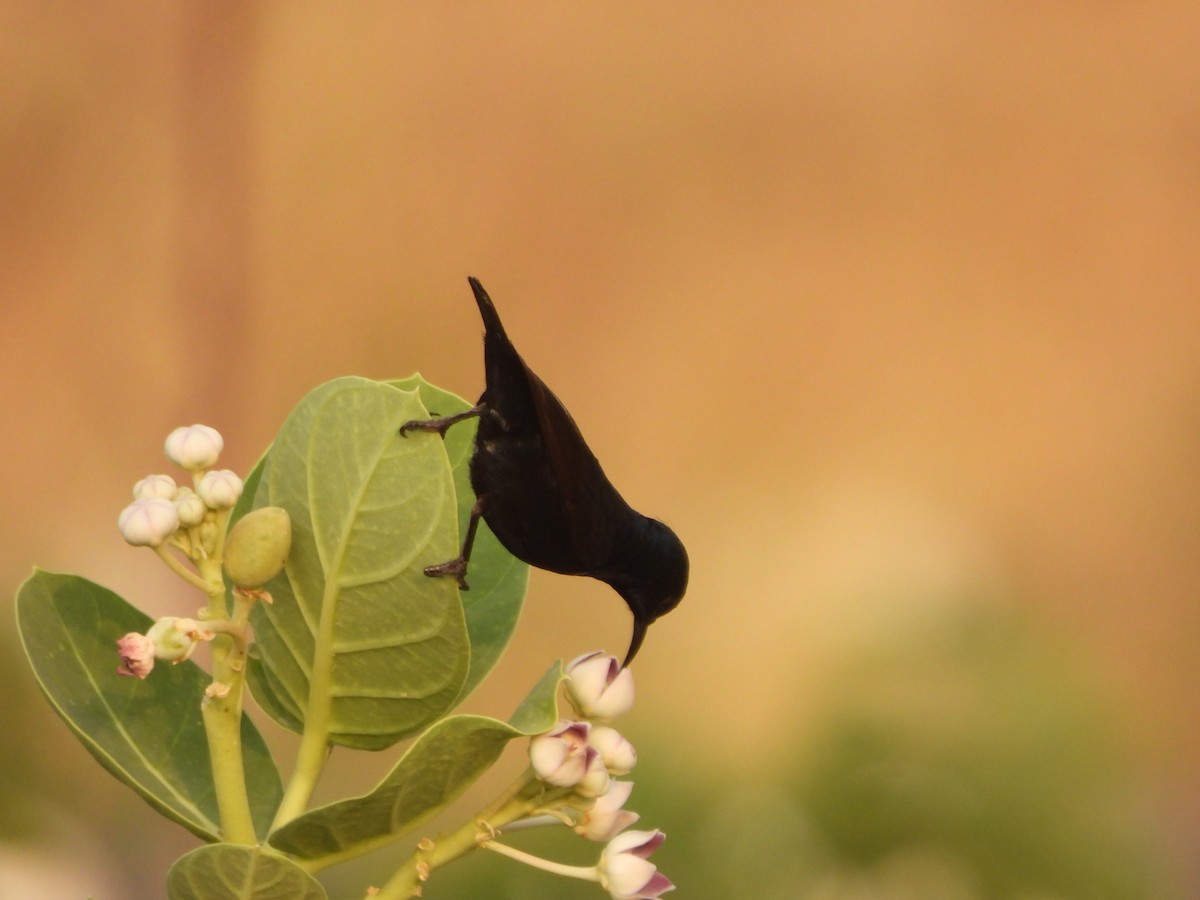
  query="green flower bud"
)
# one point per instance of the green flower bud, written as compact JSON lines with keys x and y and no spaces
{"x":257,"y":546}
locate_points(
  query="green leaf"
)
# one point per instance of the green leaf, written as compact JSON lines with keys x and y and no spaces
{"x":358,"y":642}
{"x":437,"y":768}
{"x":498,"y":579}
{"x":148,"y":733}
{"x":234,"y":872}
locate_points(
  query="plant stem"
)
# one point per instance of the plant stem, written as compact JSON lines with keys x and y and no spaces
{"x":516,"y":802}
{"x":586,"y":873}
{"x":223,"y":720}
{"x":173,"y":563}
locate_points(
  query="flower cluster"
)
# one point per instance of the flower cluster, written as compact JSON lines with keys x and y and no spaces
{"x":163,"y":511}
{"x":176,"y":520}
{"x":583,"y":758}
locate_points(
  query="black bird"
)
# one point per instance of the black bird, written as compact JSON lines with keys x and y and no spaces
{"x":544,"y":495}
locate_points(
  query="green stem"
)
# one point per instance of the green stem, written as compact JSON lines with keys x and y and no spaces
{"x":173,"y":563}
{"x":514,"y":803}
{"x":586,"y":873}
{"x":314,"y":741}
{"x":223,"y":725}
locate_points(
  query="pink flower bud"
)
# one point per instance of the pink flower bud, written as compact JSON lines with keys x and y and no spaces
{"x":606,"y":818}
{"x":618,"y":754}
{"x":598,"y":687}
{"x":220,"y":488}
{"x":137,"y":655}
{"x":560,"y":756}
{"x":148,"y":522}
{"x":155,"y":486}
{"x":170,"y":638}
{"x":626,"y":873}
{"x":194,"y":447}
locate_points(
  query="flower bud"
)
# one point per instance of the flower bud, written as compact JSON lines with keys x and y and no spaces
{"x":148,"y":522}
{"x":560,"y":756}
{"x":626,"y":873}
{"x":598,"y":687}
{"x":220,"y":488}
{"x":194,"y":447}
{"x":618,"y":754}
{"x":595,"y":780}
{"x":190,"y":507}
{"x":137,"y":655}
{"x":257,"y":546}
{"x":170,"y":638}
{"x":155,"y":486}
{"x":175,"y":638}
{"x":606,"y":818}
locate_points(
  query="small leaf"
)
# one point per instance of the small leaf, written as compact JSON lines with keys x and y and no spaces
{"x":358,"y":640}
{"x":148,"y":733}
{"x":498,"y":579}
{"x":234,"y":872}
{"x":437,"y":768}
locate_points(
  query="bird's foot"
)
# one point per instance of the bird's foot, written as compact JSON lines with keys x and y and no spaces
{"x":456,"y":567}
{"x":440,"y":424}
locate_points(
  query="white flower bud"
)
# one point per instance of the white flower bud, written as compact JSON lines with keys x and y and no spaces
{"x":190,"y":507}
{"x":220,"y":488}
{"x":598,"y":687}
{"x":595,"y":780}
{"x":626,"y":873}
{"x":618,"y":754}
{"x":560,"y":756}
{"x":148,"y":522}
{"x":155,"y":486}
{"x":194,"y":447}
{"x":607,"y":817}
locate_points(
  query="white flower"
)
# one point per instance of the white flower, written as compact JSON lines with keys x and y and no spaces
{"x":618,"y":754}
{"x":155,"y":486}
{"x":561,"y":756}
{"x":194,"y":447}
{"x":148,"y":522}
{"x":220,"y":488}
{"x":607,"y":817}
{"x":626,"y":873}
{"x":598,"y":687}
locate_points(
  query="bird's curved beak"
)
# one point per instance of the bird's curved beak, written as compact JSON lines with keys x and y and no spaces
{"x":640,"y":627}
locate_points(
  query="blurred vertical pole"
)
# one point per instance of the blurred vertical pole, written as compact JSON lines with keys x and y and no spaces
{"x":215,"y":189}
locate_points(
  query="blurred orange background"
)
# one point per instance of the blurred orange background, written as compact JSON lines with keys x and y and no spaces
{"x":890,"y":311}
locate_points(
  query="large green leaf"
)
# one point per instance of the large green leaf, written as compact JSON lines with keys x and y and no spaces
{"x":438,"y":767}
{"x":498,"y":579}
{"x":234,"y":872}
{"x":148,"y":733}
{"x":358,"y":640}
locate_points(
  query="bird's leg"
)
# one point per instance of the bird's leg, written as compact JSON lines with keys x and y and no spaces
{"x":440,"y":423}
{"x":458,"y":566}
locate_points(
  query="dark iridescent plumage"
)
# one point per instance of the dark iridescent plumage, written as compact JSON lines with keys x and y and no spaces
{"x":544,"y":495}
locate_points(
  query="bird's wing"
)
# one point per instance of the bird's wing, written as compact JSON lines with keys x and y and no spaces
{"x":591,"y":506}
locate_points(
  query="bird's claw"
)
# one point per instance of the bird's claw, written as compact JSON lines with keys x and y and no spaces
{"x":456,"y":567}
